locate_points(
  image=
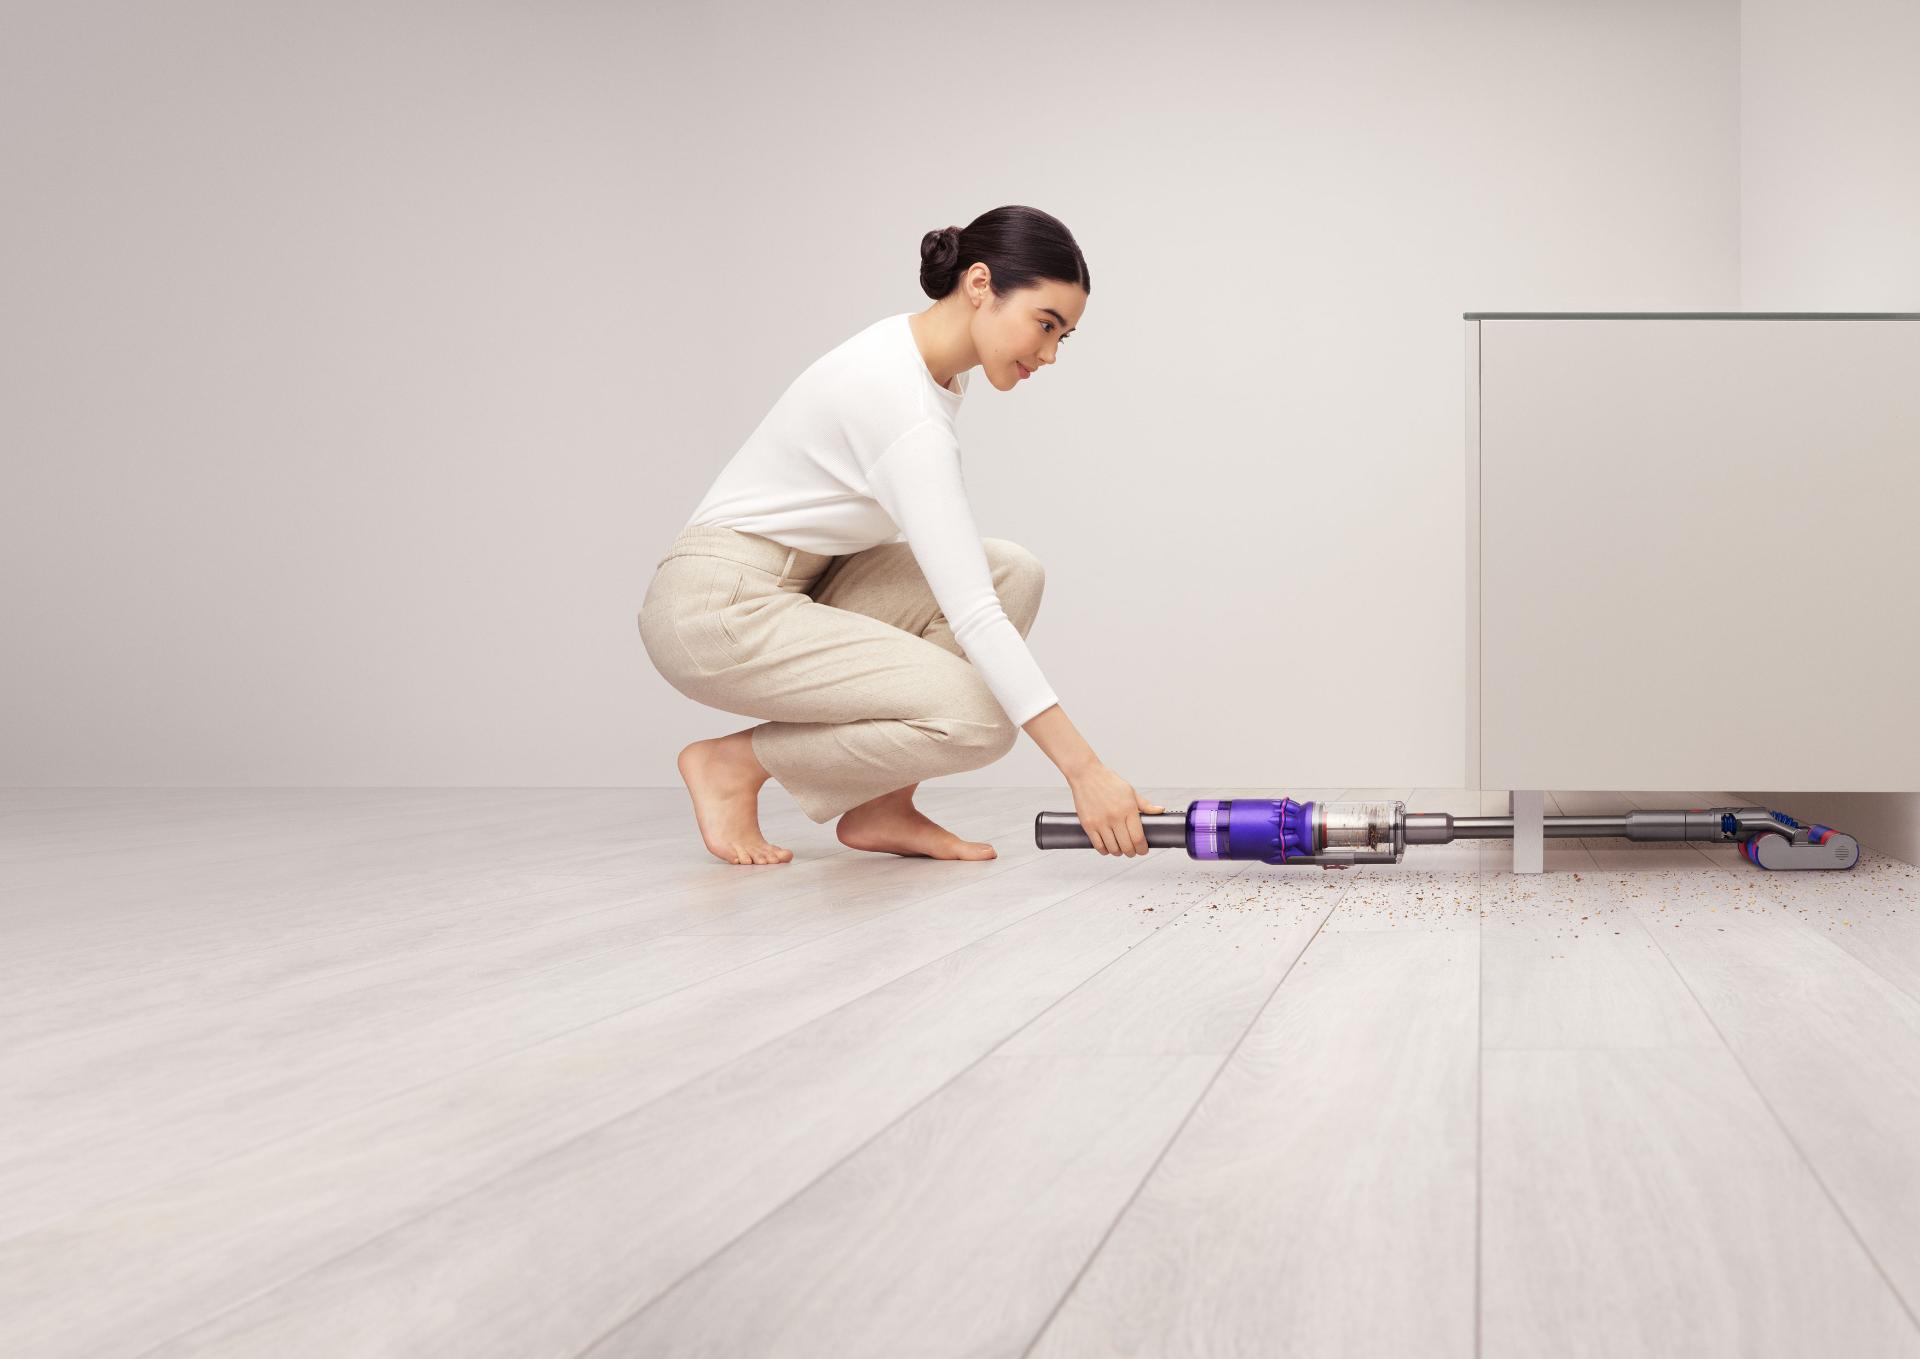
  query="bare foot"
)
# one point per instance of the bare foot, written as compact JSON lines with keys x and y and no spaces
{"x":891,"y":824}
{"x":725,"y":780}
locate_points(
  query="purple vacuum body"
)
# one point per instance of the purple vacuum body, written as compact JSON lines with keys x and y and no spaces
{"x":1285,"y":831}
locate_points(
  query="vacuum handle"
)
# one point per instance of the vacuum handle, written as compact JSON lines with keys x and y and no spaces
{"x":1062,"y":830}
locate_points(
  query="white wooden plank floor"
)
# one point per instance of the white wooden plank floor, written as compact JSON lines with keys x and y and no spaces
{"x":526,"y":1072}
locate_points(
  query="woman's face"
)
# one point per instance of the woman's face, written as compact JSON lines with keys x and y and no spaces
{"x":1023,"y":330}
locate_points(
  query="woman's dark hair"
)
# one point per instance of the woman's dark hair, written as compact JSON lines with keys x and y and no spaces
{"x":1020,"y":247}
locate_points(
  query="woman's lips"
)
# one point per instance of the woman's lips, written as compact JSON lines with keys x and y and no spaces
{"x":1024,"y":370}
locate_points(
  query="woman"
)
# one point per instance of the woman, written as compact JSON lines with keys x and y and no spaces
{"x":833,"y":583}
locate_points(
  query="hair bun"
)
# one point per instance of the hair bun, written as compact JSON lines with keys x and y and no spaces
{"x":939,"y":261}
{"x":940,"y":247}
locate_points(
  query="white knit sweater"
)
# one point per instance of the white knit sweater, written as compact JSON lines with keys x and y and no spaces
{"x":860,"y":450}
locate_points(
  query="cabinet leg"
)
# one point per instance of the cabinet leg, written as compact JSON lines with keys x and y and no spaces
{"x":1528,"y":810}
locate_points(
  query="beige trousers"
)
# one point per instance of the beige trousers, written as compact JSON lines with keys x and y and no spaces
{"x":849,"y":658}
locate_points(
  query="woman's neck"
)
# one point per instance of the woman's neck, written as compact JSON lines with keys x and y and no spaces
{"x":945,"y":347}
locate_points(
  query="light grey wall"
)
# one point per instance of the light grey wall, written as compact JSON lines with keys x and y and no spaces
{"x":1829,"y":180}
{"x":361,"y":360}
{"x":1829,"y":214}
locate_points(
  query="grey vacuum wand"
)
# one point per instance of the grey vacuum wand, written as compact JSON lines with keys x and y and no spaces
{"x":1335,"y":834}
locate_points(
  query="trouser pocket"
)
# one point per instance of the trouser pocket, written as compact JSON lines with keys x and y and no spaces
{"x":693,"y":618}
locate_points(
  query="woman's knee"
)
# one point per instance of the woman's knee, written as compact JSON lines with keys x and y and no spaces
{"x":1018,"y":578}
{"x":970,"y":745}
{"x":979,"y":731}
{"x":997,"y":738}
{"x":1017,"y":563}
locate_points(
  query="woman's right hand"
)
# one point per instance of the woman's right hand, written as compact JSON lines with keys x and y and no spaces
{"x":1109,"y":810}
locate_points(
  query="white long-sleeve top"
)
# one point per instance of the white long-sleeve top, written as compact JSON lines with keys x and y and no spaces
{"x":860,"y":450}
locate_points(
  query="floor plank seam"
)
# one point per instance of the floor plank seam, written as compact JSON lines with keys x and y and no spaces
{"x":1773,"y":1113}
{"x":1226,"y":1060}
{"x":1479,"y":1109}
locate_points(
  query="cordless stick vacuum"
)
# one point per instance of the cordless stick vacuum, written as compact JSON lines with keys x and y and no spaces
{"x":1336,"y":834}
